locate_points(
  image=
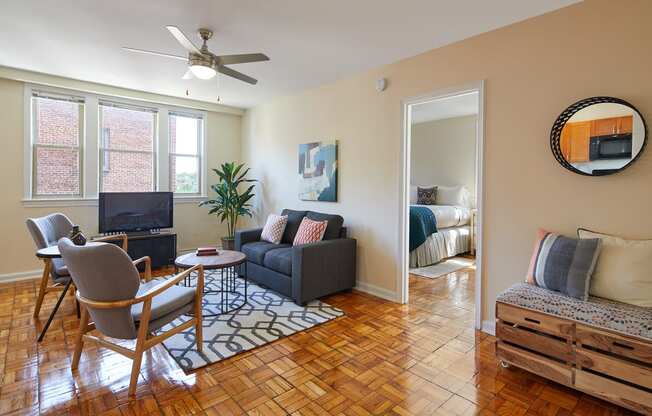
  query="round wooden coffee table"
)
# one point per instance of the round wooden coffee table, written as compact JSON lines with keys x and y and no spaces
{"x":229,"y":263}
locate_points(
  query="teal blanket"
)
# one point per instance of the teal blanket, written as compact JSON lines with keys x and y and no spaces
{"x":422,"y":224}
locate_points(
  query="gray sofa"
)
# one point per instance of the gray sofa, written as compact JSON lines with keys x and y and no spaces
{"x":303,"y":272}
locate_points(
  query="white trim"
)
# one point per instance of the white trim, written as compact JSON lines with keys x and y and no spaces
{"x":54,"y":81}
{"x":27,"y":142}
{"x":93,"y":202}
{"x":404,"y":189}
{"x":489,"y":327}
{"x":18,"y":276}
{"x":376,"y":291}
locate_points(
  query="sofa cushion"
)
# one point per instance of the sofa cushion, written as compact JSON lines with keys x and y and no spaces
{"x":255,"y":251}
{"x":279,"y":260}
{"x":334,"y":223}
{"x":294,"y":220}
{"x":601,"y":313}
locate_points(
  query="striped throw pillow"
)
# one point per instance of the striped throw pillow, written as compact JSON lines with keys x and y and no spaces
{"x":310,"y":231}
{"x":563,"y":264}
{"x":274,"y":228}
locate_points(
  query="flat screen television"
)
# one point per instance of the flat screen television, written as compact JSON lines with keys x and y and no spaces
{"x":134,"y":211}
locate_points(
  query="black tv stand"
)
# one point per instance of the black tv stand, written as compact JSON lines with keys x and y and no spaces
{"x":160,"y":246}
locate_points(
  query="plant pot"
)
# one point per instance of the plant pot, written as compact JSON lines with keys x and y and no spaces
{"x":228,"y":243}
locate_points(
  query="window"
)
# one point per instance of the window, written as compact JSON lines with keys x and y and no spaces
{"x":185,"y":153}
{"x":80,"y":144}
{"x":127,"y":156}
{"x":56,"y":144}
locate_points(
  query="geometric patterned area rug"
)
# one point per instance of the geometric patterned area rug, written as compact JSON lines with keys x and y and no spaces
{"x":444,"y":267}
{"x":266,"y":317}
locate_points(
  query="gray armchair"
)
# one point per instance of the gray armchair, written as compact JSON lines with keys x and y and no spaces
{"x":303,"y":272}
{"x":47,"y":231}
{"x":119,"y":305}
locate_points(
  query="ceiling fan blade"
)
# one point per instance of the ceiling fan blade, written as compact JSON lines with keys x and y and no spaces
{"x":188,"y":75}
{"x":182,"y":39}
{"x":235,"y":74}
{"x":165,"y":55}
{"x":242,"y":58}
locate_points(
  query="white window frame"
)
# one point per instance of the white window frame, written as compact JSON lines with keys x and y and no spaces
{"x":200,"y":152}
{"x":102,"y":149}
{"x":34,"y":146}
{"x":90,"y":163}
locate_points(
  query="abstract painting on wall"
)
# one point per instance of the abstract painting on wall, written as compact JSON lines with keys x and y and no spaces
{"x":318,"y":171}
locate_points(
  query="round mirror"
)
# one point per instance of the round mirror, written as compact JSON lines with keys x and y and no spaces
{"x":598,"y":136}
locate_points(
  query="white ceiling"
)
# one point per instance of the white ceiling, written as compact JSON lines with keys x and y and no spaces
{"x":310,"y":42}
{"x":449,"y":107}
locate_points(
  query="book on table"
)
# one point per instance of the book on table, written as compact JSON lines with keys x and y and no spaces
{"x":206,"y":251}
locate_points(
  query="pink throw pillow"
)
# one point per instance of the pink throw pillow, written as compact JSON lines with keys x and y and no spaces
{"x":310,"y":231}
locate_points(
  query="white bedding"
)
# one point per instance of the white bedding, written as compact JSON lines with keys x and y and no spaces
{"x":449,"y":215}
{"x":447,"y":242}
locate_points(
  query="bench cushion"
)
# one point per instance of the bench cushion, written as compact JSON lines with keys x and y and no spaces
{"x":597,"y":312}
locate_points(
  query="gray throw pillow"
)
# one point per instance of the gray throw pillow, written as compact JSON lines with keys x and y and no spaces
{"x":563,"y":264}
{"x":426,"y":196}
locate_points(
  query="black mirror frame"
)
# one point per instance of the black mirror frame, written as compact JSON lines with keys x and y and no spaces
{"x":555,"y":133}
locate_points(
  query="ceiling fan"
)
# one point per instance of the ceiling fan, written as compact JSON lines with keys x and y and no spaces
{"x":201,"y":62}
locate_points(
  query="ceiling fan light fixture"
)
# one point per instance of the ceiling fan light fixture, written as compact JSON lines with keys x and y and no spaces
{"x":203,"y":72}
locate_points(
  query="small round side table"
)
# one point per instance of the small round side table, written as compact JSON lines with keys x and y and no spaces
{"x":229,"y":263}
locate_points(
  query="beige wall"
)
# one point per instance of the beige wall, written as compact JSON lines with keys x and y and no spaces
{"x":533,"y":70}
{"x":193,"y":225}
{"x":443,"y":152}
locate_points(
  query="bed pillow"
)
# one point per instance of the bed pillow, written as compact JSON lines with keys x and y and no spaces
{"x":413,"y":194}
{"x":274,"y":228}
{"x":426,"y":195}
{"x":310,"y":231}
{"x":563,"y":264}
{"x":453,"y":195}
{"x":624,"y":270}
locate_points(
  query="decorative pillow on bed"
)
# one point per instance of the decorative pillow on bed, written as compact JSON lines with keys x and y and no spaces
{"x":274,"y":228}
{"x":310,"y":231}
{"x":426,"y":196}
{"x":563,"y":264}
{"x":623,"y":271}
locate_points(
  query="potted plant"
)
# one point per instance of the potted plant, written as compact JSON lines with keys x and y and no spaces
{"x":231,"y":201}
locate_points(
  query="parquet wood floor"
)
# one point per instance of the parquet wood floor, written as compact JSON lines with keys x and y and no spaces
{"x":381,"y":359}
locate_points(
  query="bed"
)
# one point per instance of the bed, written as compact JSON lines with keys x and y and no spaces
{"x":450,"y":236}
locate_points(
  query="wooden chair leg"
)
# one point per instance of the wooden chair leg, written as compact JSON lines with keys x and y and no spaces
{"x":79,"y":344}
{"x":43,"y":287}
{"x":140,"y":346}
{"x":199,"y":332}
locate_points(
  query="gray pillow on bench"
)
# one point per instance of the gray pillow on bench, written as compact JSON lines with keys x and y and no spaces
{"x":563,"y":264}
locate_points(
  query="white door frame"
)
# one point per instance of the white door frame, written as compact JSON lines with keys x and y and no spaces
{"x":404,"y":189}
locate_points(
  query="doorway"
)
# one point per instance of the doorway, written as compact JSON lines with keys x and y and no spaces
{"x":455,"y":171}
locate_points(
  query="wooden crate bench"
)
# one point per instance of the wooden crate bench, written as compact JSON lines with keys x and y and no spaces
{"x":599,"y":347}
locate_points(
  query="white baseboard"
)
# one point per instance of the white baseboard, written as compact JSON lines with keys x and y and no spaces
{"x":18,"y":276}
{"x":377,"y":291}
{"x":489,"y":327}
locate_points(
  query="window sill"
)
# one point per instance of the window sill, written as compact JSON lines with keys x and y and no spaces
{"x":189,"y":199}
{"x":92,"y":202}
{"x":60,"y":202}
